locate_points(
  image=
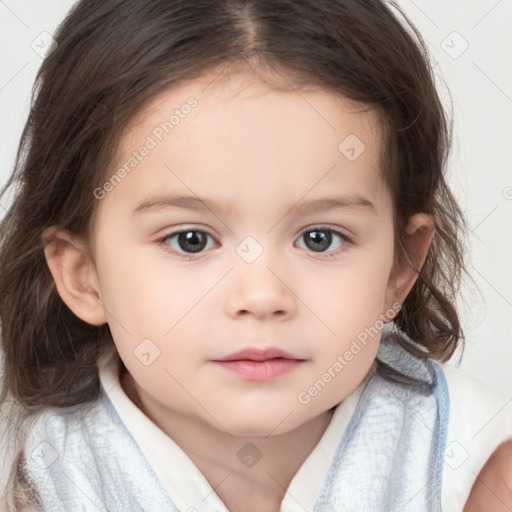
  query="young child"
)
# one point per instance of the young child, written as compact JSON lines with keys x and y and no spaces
{"x":172,"y":338}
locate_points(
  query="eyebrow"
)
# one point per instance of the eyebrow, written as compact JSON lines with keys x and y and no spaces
{"x":353,"y":202}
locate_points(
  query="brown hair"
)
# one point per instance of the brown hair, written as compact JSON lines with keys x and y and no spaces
{"x":113,"y":56}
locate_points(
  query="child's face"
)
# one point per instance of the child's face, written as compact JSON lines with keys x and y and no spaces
{"x":259,"y":281}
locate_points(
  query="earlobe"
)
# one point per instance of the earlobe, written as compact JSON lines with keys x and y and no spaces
{"x":74,"y":274}
{"x":419,"y":234}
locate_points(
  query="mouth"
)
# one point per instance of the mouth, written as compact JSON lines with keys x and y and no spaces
{"x":259,"y":365}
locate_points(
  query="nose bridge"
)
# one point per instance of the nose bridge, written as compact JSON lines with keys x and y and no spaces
{"x":259,"y":286}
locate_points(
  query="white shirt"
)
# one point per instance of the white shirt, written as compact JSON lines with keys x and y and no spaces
{"x":480,"y":420}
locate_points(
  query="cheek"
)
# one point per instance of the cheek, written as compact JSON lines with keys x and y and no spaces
{"x":148,"y":299}
{"x":354,"y":297}
{"x":351,"y":311}
{"x":137,"y":287}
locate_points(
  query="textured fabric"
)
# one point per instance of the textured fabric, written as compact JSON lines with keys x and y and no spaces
{"x":86,"y":461}
{"x":389,"y":459}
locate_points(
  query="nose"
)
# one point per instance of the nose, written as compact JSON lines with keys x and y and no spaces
{"x":260,"y":290}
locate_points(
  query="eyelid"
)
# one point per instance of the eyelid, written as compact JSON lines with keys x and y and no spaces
{"x":166,"y":236}
{"x":185,"y":229}
{"x":347,"y":241}
{"x":344,"y":233}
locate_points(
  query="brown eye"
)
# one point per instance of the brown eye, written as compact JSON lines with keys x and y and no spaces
{"x":319,"y":240}
{"x":188,"y":241}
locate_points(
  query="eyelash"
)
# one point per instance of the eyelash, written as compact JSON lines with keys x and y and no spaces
{"x":190,"y":256}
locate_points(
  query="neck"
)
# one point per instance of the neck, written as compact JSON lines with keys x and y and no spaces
{"x":230,"y":463}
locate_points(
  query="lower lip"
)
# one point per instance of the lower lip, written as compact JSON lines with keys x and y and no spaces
{"x":260,"y":370}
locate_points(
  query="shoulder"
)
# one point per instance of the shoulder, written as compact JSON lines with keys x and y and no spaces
{"x":480,"y":420}
{"x":493,"y":487}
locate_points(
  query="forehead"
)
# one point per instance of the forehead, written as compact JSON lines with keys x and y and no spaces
{"x":217,"y":134}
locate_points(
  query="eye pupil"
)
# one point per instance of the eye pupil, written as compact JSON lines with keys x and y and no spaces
{"x":192,"y":241}
{"x":323,"y":238}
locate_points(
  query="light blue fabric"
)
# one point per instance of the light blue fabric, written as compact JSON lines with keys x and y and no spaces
{"x":390,"y":458}
{"x":87,"y":461}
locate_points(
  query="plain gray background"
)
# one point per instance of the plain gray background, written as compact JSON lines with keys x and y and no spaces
{"x":469,"y":41}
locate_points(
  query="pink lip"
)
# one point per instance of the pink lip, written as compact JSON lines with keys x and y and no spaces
{"x":255,"y":354}
{"x":256,"y":364}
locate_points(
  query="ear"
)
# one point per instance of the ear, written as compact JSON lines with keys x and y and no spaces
{"x":75,"y":276}
{"x":419,"y":233}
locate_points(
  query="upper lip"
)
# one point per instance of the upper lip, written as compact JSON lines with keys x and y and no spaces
{"x":255,"y":354}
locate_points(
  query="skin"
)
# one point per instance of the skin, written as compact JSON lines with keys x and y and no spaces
{"x":492,"y":490}
{"x":257,"y":151}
